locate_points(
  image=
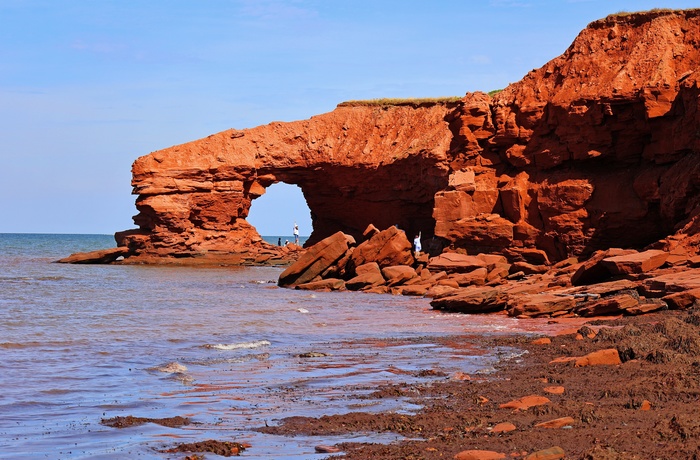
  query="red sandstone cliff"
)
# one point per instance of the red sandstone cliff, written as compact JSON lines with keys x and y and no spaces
{"x":597,"y":148}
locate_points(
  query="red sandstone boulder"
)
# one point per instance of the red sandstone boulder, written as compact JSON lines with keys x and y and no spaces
{"x":364,"y":280}
{"x":682,"y":300}
{"x":315,"y":260}
{"x":595,"y":291}
{"x":640,"y":262}
{"x":328,"y":284}
{"x":556,"y":423}
{"x":452,"y":262}
{"x":539,"y":304}
{"x":608,"y":357}
{"x":673,"y":282}
{"x":527,"y":268}
{"x":370,"y":267}
{"x":398,"y":274}
{"x":440,"y":291}
{"x":103,"y":256}
{"x":525,"y":402}
{"x":386,"y":248}
{"x":503,"y":427}
{"x":473,"y":278}
{"x":493,"y":260}
{"x":554,"y":390}
{"x":608,"y":306}
{"x":593,"y":270}
{"x":414,"y":289}
{"x":472,"y":300}
{"x":483,"y":232}
{"x":530,"y":255}
{"x":476,"y":454}
{"x":645,"y":308}
{"x":552,"y":453}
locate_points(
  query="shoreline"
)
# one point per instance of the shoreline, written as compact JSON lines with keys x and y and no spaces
{"x":639,"y":408}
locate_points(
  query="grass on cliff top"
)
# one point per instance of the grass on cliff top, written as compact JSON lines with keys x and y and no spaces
{"x":622,"y":14}
{"x":390,"y":102}
{"x":411,"y":101}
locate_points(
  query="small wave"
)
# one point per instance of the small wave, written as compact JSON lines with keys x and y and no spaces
{"x":239,"y":346}
{"x":237,"y":360}
{"x":171,"y":368}
{"x":302,"y":310}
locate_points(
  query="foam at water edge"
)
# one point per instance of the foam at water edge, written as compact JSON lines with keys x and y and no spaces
{"x":239,"y":346}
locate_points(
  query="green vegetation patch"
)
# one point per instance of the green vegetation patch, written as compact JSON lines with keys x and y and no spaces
{"x":653,"y":12}
{"x":390,"y":102}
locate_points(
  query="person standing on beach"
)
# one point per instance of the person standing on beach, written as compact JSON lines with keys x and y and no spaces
{"x":296,"y":233}
{"x":416,"y":244}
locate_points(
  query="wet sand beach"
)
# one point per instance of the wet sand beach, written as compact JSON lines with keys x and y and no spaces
{"x":642,"y":407}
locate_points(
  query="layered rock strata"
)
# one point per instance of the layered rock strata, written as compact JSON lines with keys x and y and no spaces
{"x":596,"y":149}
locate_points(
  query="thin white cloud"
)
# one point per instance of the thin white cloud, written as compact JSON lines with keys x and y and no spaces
{"x":98,"y":47}
{"x":272,"y":10}
{"x":480,"y":59}
{"x":510,"y":4}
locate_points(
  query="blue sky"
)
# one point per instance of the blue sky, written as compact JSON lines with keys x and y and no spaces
{"x":86,"y":87}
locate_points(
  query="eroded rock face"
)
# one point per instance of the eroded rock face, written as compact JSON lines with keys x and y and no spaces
{"x":355,"y":166}
{"x":596,"y":149}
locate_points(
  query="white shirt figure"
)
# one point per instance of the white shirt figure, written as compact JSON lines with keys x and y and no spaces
{"x":296,"y":233}
{"x":416,"y":243}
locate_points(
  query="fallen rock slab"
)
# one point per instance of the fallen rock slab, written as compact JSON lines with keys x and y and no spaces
{"x":608,"y":357}
{"x":315,"y":260}
{"x":472,"y":300}
{"x":452,"y":262}
{"x":327,"y":449}
{"x":328,"y":284}
{"x":504,"y":427}
{"x":669,"y":283}
{"x":479,"y":455}
{"x":608,"y":306}
{"x":398,"y":274}
{"x":593,"y":270}
{"x":539,"y":304}
{"x":554,"y":390}
{"x":386,"y":248}
{"x":525,"y":402}
{"x":641,"y":262}
{"x":553,"y":453}
{"x":369,"y":278}
{"x":473,"y":278}
{"x":682,"y":300}
{"x":556,"y":423}
{"x":103,"y":256}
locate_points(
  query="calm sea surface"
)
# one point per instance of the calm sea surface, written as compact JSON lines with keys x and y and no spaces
{"x":79,"y":343}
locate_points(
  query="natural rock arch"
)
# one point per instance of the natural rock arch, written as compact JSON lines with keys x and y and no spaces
{"x":355,"y":166}
{"x":597,"y":148}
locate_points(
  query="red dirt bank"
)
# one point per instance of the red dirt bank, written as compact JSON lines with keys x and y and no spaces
{"x":641,"y":406}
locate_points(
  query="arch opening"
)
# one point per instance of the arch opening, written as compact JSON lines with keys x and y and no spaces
{"x":274,"y":214}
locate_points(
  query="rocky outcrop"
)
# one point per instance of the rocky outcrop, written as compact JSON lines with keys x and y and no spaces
{"x":355,"y":166}
{"x":383,"y":259}
{"x":596,"y":149}
{"x":613,"y":282}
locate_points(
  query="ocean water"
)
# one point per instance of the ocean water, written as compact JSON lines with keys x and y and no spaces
{"x":282,"y":239}
{"x":222,"y":346}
